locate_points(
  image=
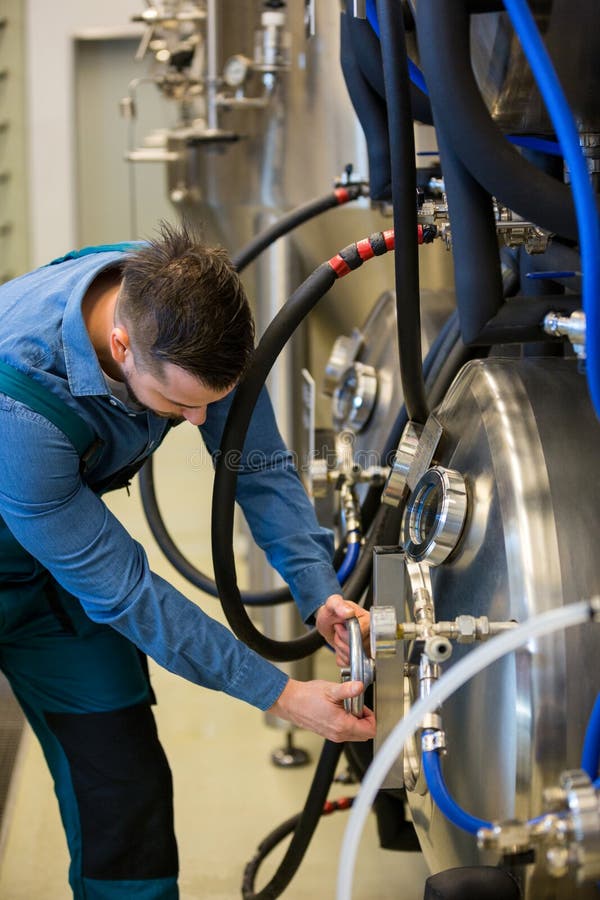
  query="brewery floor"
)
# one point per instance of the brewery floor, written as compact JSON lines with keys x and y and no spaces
{"x":228,"y":794}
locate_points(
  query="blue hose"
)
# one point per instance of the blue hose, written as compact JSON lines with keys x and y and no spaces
{"x":590,"y":754}
{"x":590,"y":763}
{"x":349,"y":561}
{"x":536,"y":143}
{"x":583,"y":194}
{"x":440,"y":796}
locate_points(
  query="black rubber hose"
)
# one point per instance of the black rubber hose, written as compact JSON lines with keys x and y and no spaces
{"x":177,"y":559}
{"x":436,"y":354}
{"x":184,"y":566}
{"x":460,"y":112}
{"x":272,"y":342}
{"x":275,"y":337}
{"x":307,"y":823}
{"x":367,"y":51}
{"x":477,"y":273}
{"x":291,"y":220}
{"x":440,"y":350}
{"x":404,"y":193}
{"x":371,"y":112}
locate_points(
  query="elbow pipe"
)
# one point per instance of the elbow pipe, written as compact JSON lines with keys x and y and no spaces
{"x":460,"y":112}
{"x":274,"y":339}
{"x":441,"y":797}
{"x":404,"y":192}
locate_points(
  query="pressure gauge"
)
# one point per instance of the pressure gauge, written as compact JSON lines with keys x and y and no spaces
{"x":435,"y":516}
{"x":236,"y":70}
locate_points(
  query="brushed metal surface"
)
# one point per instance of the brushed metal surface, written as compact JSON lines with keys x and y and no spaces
{"x":523,"y":434}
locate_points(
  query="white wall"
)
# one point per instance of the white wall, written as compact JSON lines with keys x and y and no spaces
{"x":49,"y":32}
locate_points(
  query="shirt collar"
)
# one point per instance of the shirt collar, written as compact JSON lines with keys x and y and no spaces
{"x":83,"y":369}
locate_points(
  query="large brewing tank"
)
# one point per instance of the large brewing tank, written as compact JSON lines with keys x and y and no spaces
{"x":523,"y":435}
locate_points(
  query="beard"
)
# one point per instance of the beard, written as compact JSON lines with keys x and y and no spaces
{"x":132,"y":396}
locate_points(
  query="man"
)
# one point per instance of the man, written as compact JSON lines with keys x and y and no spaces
{"x":134,"y":340}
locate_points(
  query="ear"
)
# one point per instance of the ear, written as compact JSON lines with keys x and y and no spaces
{"x":119,"y":344}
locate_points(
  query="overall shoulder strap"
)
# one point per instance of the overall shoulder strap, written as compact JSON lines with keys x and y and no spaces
{"x":19,"y":386}
{"x":123,"y":247}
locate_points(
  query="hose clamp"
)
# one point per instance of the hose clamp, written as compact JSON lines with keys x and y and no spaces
{"x":433,"y":740}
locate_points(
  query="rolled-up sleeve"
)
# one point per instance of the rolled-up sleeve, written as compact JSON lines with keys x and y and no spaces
{"x":71,"y":532}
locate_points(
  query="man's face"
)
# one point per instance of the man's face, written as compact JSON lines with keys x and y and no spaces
{"x":177,"y":394}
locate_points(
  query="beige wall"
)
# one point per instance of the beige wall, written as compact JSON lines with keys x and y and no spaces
{"x":50,"y":29}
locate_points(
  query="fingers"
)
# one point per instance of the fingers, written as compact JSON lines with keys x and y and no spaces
{"x":319,"y":706}
{"x":345,"y":690}
{"x":341,"y":647}
{"x":338,"y":607}
{"x":348,"y":727}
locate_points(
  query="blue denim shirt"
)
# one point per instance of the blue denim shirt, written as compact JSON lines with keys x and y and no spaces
{"x":62,"y":521}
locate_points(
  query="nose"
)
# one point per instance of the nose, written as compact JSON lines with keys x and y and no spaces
{"x":195,"y":416}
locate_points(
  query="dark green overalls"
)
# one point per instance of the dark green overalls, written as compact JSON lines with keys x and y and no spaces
{"x":85,"y":691}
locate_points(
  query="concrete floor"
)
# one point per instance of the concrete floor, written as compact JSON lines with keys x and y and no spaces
{"x":228,"y":795}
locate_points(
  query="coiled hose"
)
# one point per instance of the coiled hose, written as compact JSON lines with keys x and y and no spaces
{"x":305,"y":825}
{"x":274,"y":339}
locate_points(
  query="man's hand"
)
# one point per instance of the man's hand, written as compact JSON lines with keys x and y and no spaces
{"x":319,"y":706}
{"x":330,"y":620}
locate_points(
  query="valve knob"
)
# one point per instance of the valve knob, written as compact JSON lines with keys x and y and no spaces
{"x":361,"y":668}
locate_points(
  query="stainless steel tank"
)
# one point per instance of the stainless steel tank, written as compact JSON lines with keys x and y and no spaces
{"x":362,"y":372}
{"x":525,"y":438}
{"x":569,"y":28}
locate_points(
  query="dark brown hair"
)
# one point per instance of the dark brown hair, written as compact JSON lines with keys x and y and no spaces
{"x":183,"y":303}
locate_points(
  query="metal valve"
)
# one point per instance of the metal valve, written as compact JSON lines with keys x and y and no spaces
{"x":362,"y":668}
{"x":386,"y":631}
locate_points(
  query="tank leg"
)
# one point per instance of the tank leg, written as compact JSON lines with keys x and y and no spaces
{"x":289,"y":756}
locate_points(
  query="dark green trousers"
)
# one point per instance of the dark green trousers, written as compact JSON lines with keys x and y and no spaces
{"x":85,"y":692}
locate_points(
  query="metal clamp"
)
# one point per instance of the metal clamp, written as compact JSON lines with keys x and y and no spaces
{"x":354,"y":397}
{"x":435,"y":516}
